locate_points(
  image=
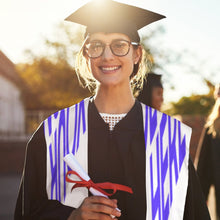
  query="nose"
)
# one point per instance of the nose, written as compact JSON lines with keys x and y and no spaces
{"x":107,"y":53}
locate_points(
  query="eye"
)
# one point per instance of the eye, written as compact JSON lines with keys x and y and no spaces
{"x":94,"y":46}
{"x":119,"y":44}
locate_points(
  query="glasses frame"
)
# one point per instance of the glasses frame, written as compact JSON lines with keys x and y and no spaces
{"x":104,"y":46}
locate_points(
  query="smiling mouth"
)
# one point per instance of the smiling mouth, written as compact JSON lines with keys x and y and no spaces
{"x":109,"y":68}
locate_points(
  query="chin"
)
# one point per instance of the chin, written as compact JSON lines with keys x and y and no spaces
{"x":110,"y":82}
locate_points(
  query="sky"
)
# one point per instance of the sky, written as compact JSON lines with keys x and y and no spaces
{"x":190,"y":25}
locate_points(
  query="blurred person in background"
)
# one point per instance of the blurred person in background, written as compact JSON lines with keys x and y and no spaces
{"x":208,"y":152}
{"x":152,"y":92}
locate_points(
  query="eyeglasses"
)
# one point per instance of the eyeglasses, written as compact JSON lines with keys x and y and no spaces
{"x":119,"y":48}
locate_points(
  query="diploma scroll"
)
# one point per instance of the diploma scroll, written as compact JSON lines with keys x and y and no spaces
{"x":75,"y":166}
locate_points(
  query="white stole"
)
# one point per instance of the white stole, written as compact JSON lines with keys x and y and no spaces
{"x":167,"y":153}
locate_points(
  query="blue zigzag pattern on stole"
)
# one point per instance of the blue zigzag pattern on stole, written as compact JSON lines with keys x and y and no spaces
{"x":59,"y":137}
{"x":164,"y":160}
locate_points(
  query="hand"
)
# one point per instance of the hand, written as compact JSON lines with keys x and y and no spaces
{"x":96,"y":207}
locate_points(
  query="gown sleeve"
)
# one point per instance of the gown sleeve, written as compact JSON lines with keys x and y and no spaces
{"x":32,"y":202}
{"x":204,"y":167}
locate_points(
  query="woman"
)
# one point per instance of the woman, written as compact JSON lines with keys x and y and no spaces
{"x":152,"y":92}
{"x":208,"y":153}
{"x":114,"y":137}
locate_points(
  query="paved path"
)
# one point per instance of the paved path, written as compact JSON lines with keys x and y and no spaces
{"x":9,"y":185}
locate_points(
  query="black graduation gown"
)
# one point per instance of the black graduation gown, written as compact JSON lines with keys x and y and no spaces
{"x":208,"y":168}
{"x":117,"y":156}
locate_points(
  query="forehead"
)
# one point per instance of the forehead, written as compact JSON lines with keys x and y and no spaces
{"x":108,"y":37}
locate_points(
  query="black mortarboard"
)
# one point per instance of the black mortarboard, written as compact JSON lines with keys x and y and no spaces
{"x":113,"y":17}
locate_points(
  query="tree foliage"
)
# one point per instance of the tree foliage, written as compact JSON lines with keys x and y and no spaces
{"x":50,"y":85}
{"x":152,"y":50}
{"x":50,"y":79}
{"x":194,"y":104}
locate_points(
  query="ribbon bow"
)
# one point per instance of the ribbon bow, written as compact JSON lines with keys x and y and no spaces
{"x":98,"y":186}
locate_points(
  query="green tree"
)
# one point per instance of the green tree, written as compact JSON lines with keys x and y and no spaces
{"x":194,"y":104}
{"x":50,"y":79}
{"x":50,"y":85}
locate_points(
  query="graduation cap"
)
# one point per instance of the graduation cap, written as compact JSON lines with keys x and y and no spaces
{"x":113,"y":17}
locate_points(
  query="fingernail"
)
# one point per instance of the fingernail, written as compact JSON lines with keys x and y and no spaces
{"x":118,"y":213}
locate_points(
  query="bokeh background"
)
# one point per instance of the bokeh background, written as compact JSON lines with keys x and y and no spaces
{"x":37,"y":76}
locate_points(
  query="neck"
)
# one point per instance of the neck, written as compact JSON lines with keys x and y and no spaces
{"x":113,"y":100}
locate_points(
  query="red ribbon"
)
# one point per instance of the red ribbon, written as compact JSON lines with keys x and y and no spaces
{"x":98,"y":186}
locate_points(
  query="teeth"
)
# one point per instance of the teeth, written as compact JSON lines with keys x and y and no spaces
{"x":109,"y":68}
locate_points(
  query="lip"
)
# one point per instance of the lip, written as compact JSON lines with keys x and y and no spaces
{"x":109,"y":69}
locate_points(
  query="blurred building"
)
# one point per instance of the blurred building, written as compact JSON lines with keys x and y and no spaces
{"x":12,"y":109}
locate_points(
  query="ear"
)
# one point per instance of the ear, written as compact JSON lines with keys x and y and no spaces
{"x":137,"y":54}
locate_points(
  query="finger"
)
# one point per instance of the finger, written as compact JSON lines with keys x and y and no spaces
{"x":97,"y":204}
{"x":102,"y":208}
{"x":103,"y":200}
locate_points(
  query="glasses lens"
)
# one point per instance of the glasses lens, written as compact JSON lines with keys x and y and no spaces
{"x":120,"y":47}
{"x":95,"y":49}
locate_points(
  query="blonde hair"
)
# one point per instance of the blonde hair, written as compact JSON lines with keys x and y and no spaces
{"x":217,"y":91}
{"x":212,"y":118}
{"x":87,"y":80}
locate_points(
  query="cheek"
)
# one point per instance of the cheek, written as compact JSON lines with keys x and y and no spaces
{"x":157,"y":96}
{"x":129,"y":64}
{"x":92,"y":66}
{"x":154,"y":100}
